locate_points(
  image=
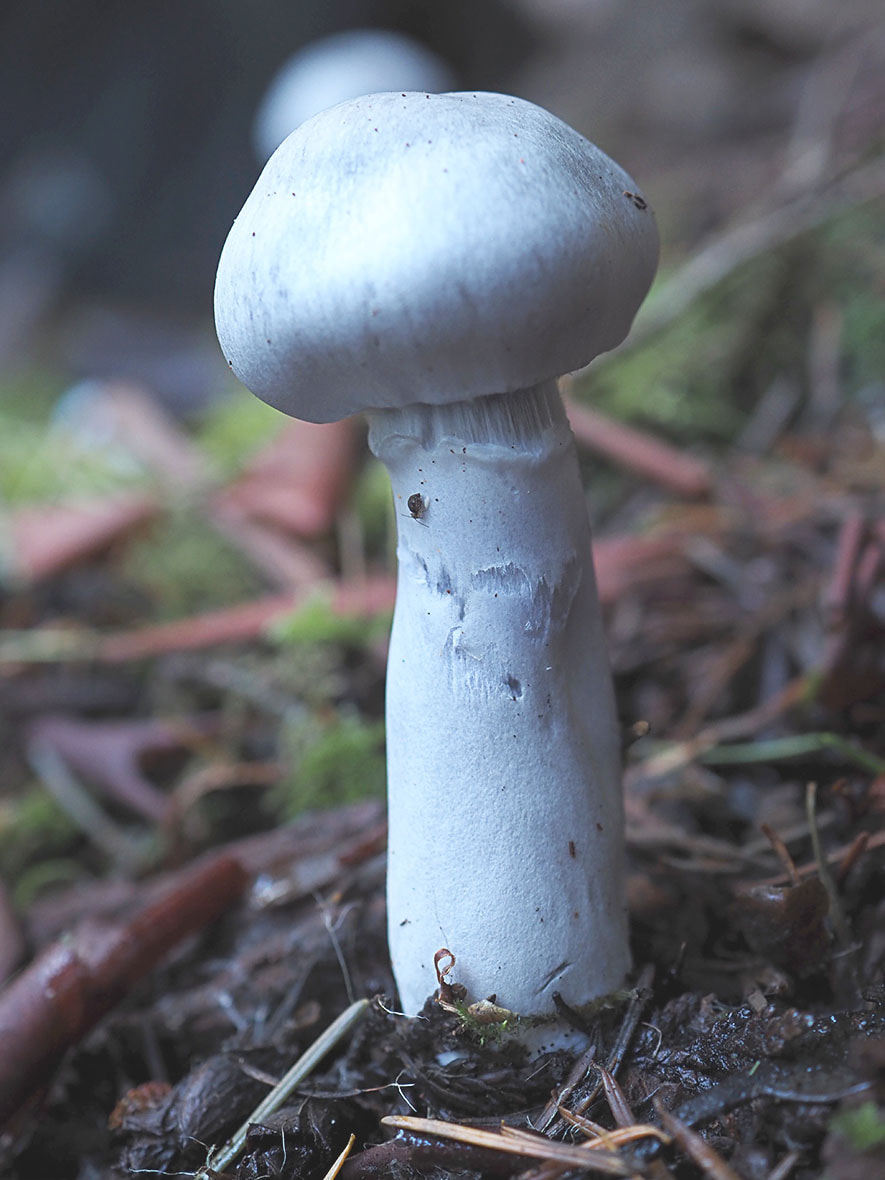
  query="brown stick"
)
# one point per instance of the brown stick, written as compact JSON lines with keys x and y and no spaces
{"x":621,"y":563}
{"x":54,"y":1002}
{"x":300,"y":480}
{"x":697,"y":1149}
{"x":239,"y":623}
{"x":639,"y":451}
{"x":839,"y":593}
{"x":49,"y":538}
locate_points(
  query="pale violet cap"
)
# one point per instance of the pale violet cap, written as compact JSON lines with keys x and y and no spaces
{"x":402,"y":248}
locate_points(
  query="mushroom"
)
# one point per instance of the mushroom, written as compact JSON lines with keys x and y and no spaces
{"x":342,"y":65}
{"x":439,"y":260}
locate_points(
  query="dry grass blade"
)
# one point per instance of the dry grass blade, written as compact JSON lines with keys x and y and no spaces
{"x":221,"y":1158}
{"x":640,"y":997}
{"x":837,"y":914}
{"x":339,"y":1162}
{"x":585,"y":1156}
{"x":614,"y":1096}
{"x":697,"y":1149}
{"x":614,"y":1138}
{"x":739,"y":243}
{"x":578,"y":1072}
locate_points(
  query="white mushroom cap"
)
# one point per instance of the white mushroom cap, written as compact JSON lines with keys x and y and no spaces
{"x":403,"y":248}
{"x":343,"y":65}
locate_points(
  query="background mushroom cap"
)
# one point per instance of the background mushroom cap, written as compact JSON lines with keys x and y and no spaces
{"x":403,"y":248}
{"x":343,"y":65}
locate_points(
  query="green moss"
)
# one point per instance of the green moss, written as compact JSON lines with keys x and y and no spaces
{"x":862,"y":1126}
{"x":36,"y":838}
{"x":237,"y":427}
{"x":863,"y":339}
{"x":698,"y":377}
{"x":317,"y":622}
{"x":28,"y":395}
{"x":335,"y":757}
{"x":185,"y":567}
{"x":373,"y":502}
{"x":40,"y":464}
{"x":686,"y":379}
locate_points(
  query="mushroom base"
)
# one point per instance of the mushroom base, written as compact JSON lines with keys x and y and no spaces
{"x":506,"y":816}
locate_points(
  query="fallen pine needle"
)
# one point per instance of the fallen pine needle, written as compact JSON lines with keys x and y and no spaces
{"x":697,"y":1149}
{"x":221,"y":1158}
{"x":837,"y":913}
{"x":339,"y":1162}
{"x":614,"y":1138}
{"x":516,"y":1142}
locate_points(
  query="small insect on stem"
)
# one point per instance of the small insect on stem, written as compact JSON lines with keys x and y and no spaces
{"x":417,"y":506}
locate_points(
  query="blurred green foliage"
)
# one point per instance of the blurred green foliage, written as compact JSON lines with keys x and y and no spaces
{"x":36,"y":839}
{"x":317,"y":622}
{"x":863,"y":1127}
{"x":335,"y":756}
{"x":235,"y":428}
{"x":41,"y":462}
{"x":698,"y":378}
{"x":186,"y":567}
{"x":373,"y":501}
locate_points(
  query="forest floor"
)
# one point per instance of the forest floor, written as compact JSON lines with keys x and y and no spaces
{"x":192,"y":840}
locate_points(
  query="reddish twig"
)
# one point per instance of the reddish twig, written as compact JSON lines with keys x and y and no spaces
{"x":638,"y":451}
{"x":839,"y":593}
{"x":286,"y":562}
{"x":46,"y":539}
{"x":240,"y":623}
{"x":624,"y":562}
{"x":137,"y":423}
{"x":868,"y":565}
{"x":54,"y":1002}
{"x":299,"y":481}
{"x":142,"y":427}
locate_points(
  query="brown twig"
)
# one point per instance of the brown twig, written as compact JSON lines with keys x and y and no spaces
{"x":782,"y":853}
{"x":622,"y":563}
{"x":49,"y":538}
{"x":522,"y":1143}
{"x":641,"y":996}
{"x":560,"y":1096}
{"x":54,"y":1002}
{"x":640,"y":452}
{"x":839,"y":593}
{"x":239,"y":623}
{"x":698,"y":1151}
{"x":614,"y":1096}
{"x":298,"y":482}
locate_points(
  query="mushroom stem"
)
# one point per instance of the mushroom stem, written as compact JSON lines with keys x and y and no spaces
{"x":506,"y":818}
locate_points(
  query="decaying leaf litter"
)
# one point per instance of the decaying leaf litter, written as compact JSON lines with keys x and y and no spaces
{"x":745,"y":618}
